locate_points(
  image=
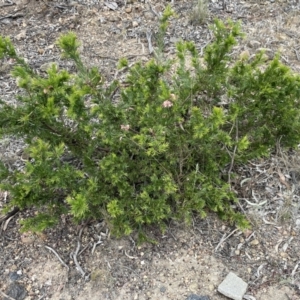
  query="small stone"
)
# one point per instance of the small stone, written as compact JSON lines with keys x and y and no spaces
{"x":13,"y":267}
{"x":284,"y":255}
{"x":48,"y":282}
{"x":237,"y":252}
{"x":162,"y":289}
{"x":196,"y":297}
{"x":233,"y":287}
{"x":113,"y":18}
{"x":254,"y":44}
{"x":254,"y":242}
{"x":128,"y":9}
{"x":102,"y":20}
{"x":41,"y":51}
{"x":27,"y":238}
{"x":135,"y":24}
{"x":193,"y":287}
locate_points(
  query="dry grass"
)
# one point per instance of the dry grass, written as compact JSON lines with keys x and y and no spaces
{"x":200,"y":12}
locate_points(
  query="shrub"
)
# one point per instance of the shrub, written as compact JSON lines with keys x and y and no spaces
{"x":160,"y":150}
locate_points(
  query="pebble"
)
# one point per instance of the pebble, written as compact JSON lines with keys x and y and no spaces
{"x":254,"y":242}
{"x":233,"y":287}
{"x":19,"y":272}
{"x":193,"y":287}
{"x":284,"y":255}
{"x":254,"y":44}
{"x":135,"y":24}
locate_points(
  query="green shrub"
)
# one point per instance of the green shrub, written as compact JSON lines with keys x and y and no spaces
{"x":161,"y":149}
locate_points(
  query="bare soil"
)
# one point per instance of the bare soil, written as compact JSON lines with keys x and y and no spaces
{"x":184,"y":260}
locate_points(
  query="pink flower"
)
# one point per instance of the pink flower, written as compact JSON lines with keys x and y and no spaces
{"x":167,"y":103}
{"x":125,"y":127}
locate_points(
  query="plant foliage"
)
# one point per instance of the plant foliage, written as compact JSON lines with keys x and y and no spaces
{"x":157,"y":152}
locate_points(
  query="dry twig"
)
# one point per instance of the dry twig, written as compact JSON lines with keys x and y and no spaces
{"x":52,"y":250}
{"x":224,"y":238}
{"x":74,"y":255}
{"x":97,"y":243}
{"x":129,"y":256}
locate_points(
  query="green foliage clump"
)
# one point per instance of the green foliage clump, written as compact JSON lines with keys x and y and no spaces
{"x":161,"y":149}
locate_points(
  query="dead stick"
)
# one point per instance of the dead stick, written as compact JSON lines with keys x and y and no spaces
{"x":49,"y":248}
{"x":224,"y":238}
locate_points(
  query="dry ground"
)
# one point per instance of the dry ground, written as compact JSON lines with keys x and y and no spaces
{"x":184,"y":260}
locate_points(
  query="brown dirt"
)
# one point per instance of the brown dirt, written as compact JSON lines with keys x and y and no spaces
{"x":184,"y":260}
